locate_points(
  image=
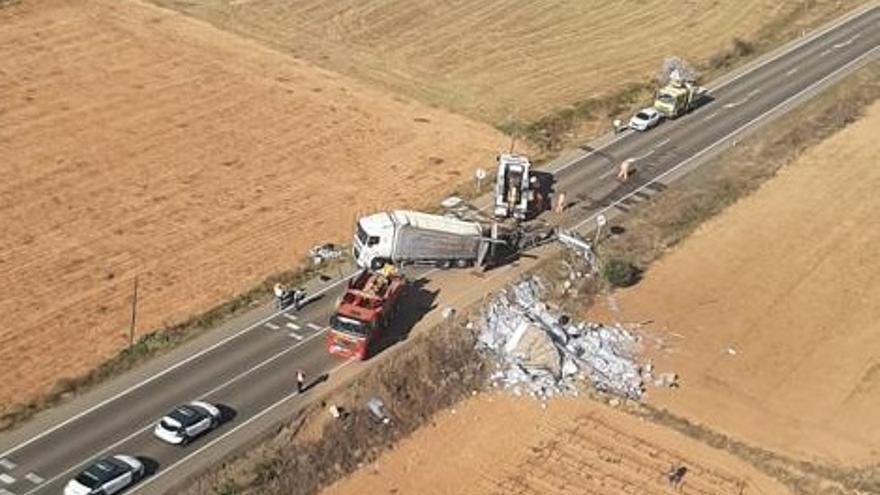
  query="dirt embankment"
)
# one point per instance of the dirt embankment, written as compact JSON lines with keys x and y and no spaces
{"x":139,"y":142}
{"x":498,"y":444}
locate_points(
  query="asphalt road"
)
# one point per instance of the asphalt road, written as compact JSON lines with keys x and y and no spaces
{"x":251,"y":372}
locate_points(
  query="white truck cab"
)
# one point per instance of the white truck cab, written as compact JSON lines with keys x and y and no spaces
{"x":373,"y":239}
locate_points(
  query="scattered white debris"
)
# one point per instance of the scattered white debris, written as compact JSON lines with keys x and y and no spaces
{"x":731,"y":351}
{"x":323,"y":252}
{"x":377,"y":409}
{"x":542,"y":353}
{"x":578,"y":244}
{"x":452,"y":202}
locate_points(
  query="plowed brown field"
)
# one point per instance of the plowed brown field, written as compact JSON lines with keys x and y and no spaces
{"x":500,"y":60}
{"x":508,"y":446}
{"x":137,"y":141}
{"x":772,"y":310}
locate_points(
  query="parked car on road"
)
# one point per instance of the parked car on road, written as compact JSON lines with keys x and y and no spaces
{"x":645,"y":119}
{"x":186,"y":422}
{"x":106,"y":476}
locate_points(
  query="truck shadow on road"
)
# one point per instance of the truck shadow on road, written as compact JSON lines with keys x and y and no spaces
{"x":415,"y":303}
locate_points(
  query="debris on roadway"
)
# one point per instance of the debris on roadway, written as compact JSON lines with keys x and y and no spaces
{"x":540,"y":352}
{"x":323,"y":252}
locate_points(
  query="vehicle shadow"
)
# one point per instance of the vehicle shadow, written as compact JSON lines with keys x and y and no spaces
{"x":227,"y":413}
{"x":544,"y":190}
{"x":151,"y":466}
{"x":414,"y":304}
{"x":317,"y":381}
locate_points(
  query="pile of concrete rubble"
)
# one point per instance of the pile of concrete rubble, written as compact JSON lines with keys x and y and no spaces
{"x":543,"y":353}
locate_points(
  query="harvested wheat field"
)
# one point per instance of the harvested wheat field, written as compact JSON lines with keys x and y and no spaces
{"x":139,"y":142}
{"x":771,"y":312}
{"x":502,"y":60}
{"x":574,"y":446}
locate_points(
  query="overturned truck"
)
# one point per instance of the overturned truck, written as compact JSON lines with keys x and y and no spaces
{"x":403,"y":237}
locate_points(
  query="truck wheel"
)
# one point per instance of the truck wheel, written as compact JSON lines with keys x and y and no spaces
{"x":444,"y":264}
{"x":377,"y":263}
{"x":462,"y":263}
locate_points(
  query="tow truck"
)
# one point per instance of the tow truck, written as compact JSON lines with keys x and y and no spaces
{"x":513,"y":186}
{"x":364,"y":312}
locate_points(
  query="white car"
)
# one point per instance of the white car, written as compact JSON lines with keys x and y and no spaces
{"x":187,"y":422}
{"x":645,"y":119}
{"x":106,"y":476}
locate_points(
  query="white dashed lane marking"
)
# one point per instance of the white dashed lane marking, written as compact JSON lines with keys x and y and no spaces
{"x":7,"y":464}
{"x":314,"y":326}
{"x":290,"y":317}
{"x":272,"y":326}
{"x":33,"y":478}
{"x":792,"y":71}
{"x":295,"y":335}
{"x":6,"y":479}
{"x":4,"y":491}
{"x":293,"y":326}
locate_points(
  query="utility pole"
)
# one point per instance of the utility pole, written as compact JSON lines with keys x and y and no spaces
{"x":134,"y":299}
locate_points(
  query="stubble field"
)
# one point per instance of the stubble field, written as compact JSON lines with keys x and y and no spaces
{"x":138,"y":142}
{"x":504,"y":61}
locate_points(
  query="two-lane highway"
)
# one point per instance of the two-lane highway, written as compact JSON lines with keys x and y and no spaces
{"x":251,"y":372}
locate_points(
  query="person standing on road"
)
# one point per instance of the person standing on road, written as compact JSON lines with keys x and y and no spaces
{"x":300,"y":381}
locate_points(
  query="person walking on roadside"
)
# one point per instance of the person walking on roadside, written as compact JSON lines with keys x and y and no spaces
{"x":560,"y":202}
{"x":299,"y":295}
{"x":300,"y":381}
{"x":624,"y":172}
{"x":280,"y":294}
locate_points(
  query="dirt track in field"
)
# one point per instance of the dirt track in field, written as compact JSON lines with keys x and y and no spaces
{"x":771,"y":312}
{"x":495,"y":444}
{"x":137,"y":141}
{"x":503,"y":60}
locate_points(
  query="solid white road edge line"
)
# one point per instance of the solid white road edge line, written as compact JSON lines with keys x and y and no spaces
{"x":158,"y":375}
{"x":230,"y":432}
{"x":728,"y":136}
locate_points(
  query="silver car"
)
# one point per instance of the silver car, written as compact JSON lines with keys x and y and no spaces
{"x":106,"y":476}
{"x":186,"y":422}
{"x":645,"y":119}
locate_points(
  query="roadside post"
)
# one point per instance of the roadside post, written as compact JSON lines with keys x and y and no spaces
{"x":601,"y":221}
{"x":479,"y":176}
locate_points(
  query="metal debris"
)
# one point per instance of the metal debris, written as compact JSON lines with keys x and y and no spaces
{"x":542,"y":353}
{"x":323,"y":252}
{"x":377,"y":409}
